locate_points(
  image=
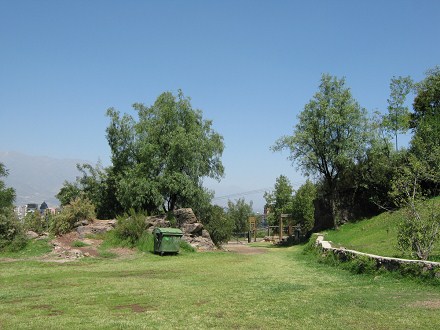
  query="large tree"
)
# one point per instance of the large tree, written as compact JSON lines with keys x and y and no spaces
{"x":161,"y":159}
{"x":425,"y":143}
{"x":398,"y":117}
{"x":279,"y":201}
{"x":239,"y":213}
{"x":303,"y":207}
{"x":329,"y":136}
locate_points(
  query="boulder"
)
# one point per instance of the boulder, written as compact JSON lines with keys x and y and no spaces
{"x":205,"y":234}
{"x":157,"y":221}
{"x":199,"y":243}
{"x":185,"y":216}
{"x":31,"y":234}
{"x":192,"y":228}
{"x":81,"y":223}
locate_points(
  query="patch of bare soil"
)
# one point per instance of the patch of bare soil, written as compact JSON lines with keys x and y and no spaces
{"x":243,"y":249}
{"x":65,"y":247}
{"x":429,"y":304}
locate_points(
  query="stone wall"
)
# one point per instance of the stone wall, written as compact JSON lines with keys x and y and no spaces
{"x":388,"y":263}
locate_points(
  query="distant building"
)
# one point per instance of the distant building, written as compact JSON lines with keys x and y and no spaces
{"x":20,"y":211}
{"x":32,"y":207}
{"x":43,"y":208}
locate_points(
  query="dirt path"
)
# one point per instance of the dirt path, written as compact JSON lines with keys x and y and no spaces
{"x":243,"y":248}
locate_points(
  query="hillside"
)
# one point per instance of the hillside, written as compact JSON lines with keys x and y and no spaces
{"x":377,"y":235}
{"x":37,"y":178}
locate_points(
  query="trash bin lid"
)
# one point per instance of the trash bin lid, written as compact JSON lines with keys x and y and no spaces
{"x":169,"y":231}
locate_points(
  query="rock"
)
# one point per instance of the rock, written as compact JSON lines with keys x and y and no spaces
{"x":94,"y":228}
{"x":185,"y":216}
{"x":31,"y":234}
{"x":200,"y":243}
{"x":112,"y":222}
{"x":157,"y":221}
{"x":192,"y":228}
{"x":205,"y":234}
{"x":81,"y":223}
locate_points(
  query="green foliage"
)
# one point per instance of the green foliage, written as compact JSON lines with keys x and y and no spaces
{"x":330,"y":135}
{"x":130,"y":227}
{"x":280,"y":200}
{"x":160,"y":159}
{"x":81,"y":208}
{"x":36,"y":222}
{"x":68,"y":192}
{"x":398,"y":117}
{"x":7,"y":195}
{"x":425,"y":144}
{"x":420,"y":230}
{"x":185,"y":246}
{"x":114,"y":238}
{"x":12,"y":236}
{"x":427,"y":101}
{"x":239,"y":213}
{"x":98,"y":185}
{"x":303,"y":208}
{"x":219,"y":224}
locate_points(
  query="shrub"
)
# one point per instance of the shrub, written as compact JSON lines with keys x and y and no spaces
{"x":35,"y":222}
{"x":130,"y":227}
{"x":146,"y":242}
{"x":81,"y":208}
{"x":185,"y":246}
{"x":12,"y":236}
{"x":219,"y":225}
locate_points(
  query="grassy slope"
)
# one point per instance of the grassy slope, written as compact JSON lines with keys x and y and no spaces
{"x":281,"y":289}
{"x":377,"y":235}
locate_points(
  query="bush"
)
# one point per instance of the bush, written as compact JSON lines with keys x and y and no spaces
{"x":185,"y":246}
{"x":131,"y":227}
{"x":219,"y":225}
{"x":79,"y":209}
{"x":35,"y":222}
{"x":12,"y":236}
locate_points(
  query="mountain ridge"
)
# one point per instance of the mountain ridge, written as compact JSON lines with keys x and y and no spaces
{"x":37,"y":179}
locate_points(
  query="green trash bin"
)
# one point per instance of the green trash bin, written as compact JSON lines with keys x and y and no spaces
{"x":167,"y":240}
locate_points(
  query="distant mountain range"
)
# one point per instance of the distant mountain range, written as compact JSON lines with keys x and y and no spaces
{"x":37,"y":179}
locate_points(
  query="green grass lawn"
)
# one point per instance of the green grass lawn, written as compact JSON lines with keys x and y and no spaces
{"x":280,"y":289}
{"x":377,"y":235}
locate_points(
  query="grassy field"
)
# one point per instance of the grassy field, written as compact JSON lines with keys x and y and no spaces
{"x":282,"y":289}
{"x":377,"y":235}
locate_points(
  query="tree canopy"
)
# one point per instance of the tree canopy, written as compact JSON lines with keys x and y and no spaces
{"x":280,"y":200}
{"x":329,"y":136}
{"x":239,"y":212}
{"x":160,"y":159}
{"x":7,"y":195}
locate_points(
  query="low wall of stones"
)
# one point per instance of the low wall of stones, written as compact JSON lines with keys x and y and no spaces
{"x":388,"y":263}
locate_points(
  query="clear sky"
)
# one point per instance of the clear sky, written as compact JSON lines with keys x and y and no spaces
{"x":250,"y":66}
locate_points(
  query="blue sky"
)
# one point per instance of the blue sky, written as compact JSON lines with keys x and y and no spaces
{"x":250,"y":66}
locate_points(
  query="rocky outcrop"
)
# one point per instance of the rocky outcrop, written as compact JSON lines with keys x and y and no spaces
{"x":96,"y":227}
{"x":185,"y":216}
{"x":156,"y":222}
{"x":193,"y":231}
